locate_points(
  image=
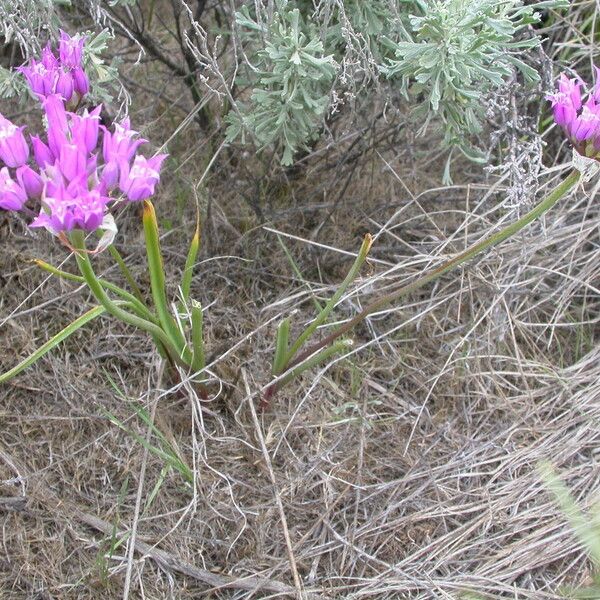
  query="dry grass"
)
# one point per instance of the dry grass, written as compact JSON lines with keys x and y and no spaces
{"x":405,"y":470}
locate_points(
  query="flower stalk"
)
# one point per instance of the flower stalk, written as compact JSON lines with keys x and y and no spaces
{"x":114,"y":309}
{"x":308,"y":355}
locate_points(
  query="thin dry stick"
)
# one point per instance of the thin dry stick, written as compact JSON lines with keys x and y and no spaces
{"x":140,"y":490}
{"x":168,"y":561}
{"x":269,"y":465}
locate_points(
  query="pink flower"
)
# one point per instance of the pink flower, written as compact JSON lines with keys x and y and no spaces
{"x":579,"y":120}
{"x":42,"y":154}
{"x":118,"y":148}
{"x":72,"y":161}
{"x":138,"y":182}
{"x":49,"y":61}
{"x":84,"y":128}
{"x":71,"y":50}
{"x":14,"y":150}
{"x":120,"y":145}
{"x":74,"y":184}
{"x":12,"y":195}
{"x":81,"y":83}
{"x":41,"y":80}
{"x":64,"y":85}
{"x":72,"y":207}
{"x":63,"y":75}
{"x":30,"y":181}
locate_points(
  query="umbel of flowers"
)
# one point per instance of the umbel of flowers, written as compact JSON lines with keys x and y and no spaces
{"x":579,"y":119}
{"x":70,"y":179}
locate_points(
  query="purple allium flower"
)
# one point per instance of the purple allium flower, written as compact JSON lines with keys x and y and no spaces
{"x":72,"y":161}
{"x":81,"y":83}
{"x":42,"y":154}
{"x":83,"y":210}
{"x":120,"y":145}
{"x":49,"y":61}
{"x":30,"y":181}
{"x":84,"y":128}
{"x":579,"y":120}
{"x":14,"y":150}
{"x":138,"y":182}
{"x":71,"y":50}
{"x":63,"y":75}
{"x":118,"y":149}
{"x":12,"y":195}
{"x":70,"y":206}
{"x":74,"y":183}
{"x":41,"y":81}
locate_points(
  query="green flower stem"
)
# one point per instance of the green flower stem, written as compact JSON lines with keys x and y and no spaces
{"x":140,"y":309}
{"x":190,"y":261}
{"x":85,"y":266}
{"x":546,"y":204}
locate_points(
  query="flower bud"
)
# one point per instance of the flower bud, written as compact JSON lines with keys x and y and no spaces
{"x":56,"y":116}
{"x":14,"y":150}
{"x":64,"y":85}
{"x":30,"y":181}
{"x":81,"y":82}
{"x":12,"y":195}
{"x":110,"y":175}
{"x":42,"y":154}
{"x":138,"y":182}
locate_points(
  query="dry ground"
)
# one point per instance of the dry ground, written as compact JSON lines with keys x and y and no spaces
{"x":406,"y":470}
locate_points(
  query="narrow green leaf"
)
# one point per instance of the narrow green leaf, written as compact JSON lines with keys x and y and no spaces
{"x":126,"y":272}
{"x":197,"y":338}
{"x":116,"y":308}
{"x":581,"y":524}
{"x":281,"y":346}
{"x":318,"y":358}
{"x":297,"y":271}
{"x":322,"y":316}
{"x":139,"y":307}
{"x":157,"y":280}
{"x":169,"y":456}
{"x":53,"y":342}
{"x":190,"y":261}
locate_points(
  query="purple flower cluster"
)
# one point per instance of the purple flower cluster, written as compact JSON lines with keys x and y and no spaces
{"x":73,"y":178}
{"x":62,"y":75}
{"x":579,"y":120}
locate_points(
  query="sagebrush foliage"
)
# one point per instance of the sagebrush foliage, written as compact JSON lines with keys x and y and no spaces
{"x":459,"y":50}
{"x":439,"y":56}
{"x":293,"y":79}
